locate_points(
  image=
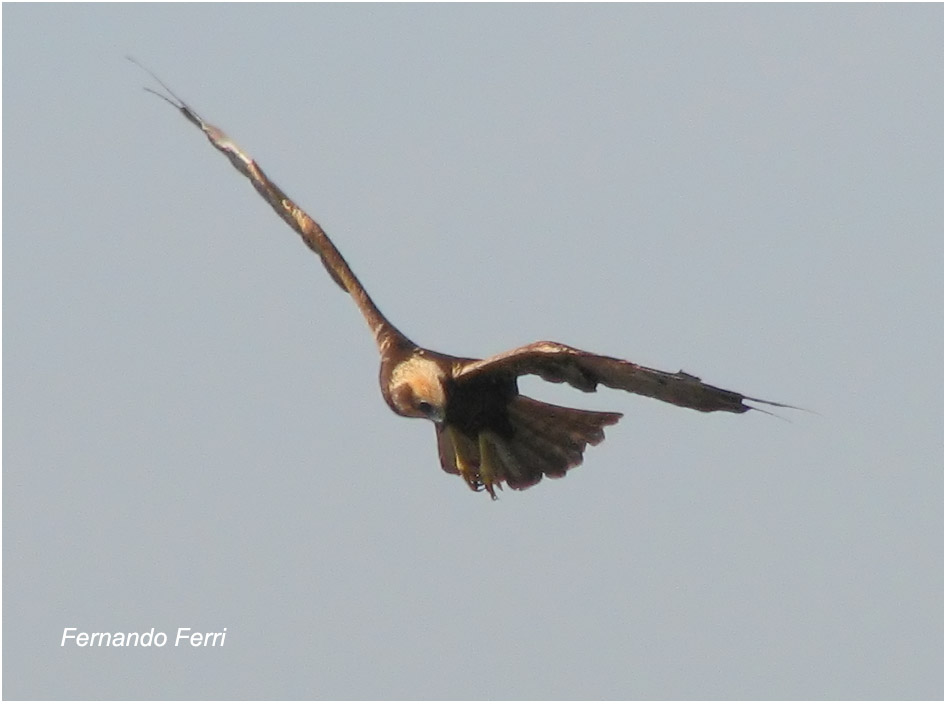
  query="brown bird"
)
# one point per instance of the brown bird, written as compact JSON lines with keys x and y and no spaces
{"x":487,"y":432}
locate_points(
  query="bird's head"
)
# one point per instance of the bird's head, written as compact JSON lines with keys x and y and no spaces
{"x":417,"y":389}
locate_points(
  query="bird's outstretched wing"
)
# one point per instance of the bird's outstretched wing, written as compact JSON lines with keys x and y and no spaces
{"x":560,"y":363}
{"x":307,"y":228}
{"x":312,"y":234}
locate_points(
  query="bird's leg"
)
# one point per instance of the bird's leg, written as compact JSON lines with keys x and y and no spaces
{"x":488,"y":465}
{"x":466,"y":458}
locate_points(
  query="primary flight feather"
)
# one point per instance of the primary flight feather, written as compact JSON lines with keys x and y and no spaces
{"x":487,"y":432}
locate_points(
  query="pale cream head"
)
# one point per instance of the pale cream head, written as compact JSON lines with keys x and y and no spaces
{"x":417,"y":389}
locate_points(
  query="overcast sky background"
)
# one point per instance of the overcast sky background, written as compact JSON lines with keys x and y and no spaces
{"x":194,"y":431}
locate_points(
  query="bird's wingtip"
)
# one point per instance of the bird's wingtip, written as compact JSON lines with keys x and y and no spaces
{"x":774,"y":404}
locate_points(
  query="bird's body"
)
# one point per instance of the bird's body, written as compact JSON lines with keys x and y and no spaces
{"x":487,"y":432}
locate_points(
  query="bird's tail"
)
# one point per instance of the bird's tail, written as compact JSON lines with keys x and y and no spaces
{"x":546,"y":440}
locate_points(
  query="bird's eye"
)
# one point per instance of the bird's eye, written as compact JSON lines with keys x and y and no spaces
{"x":425,"y":407}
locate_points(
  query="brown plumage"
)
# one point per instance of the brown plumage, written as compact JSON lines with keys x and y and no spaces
{"x":487,"y":432}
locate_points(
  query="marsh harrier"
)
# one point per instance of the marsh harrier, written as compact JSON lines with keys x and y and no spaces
{"x":487,"y":432}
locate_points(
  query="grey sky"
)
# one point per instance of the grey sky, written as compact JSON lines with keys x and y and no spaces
{"x":194,"y":433}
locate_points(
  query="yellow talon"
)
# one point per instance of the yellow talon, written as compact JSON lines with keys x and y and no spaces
{"x":488,"y":464}
{"x":465,"y":457}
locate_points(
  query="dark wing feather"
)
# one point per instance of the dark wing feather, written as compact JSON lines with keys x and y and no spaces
{"x":560,"y":363}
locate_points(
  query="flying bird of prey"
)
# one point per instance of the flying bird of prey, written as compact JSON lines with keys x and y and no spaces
{"x":487,"y":432}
